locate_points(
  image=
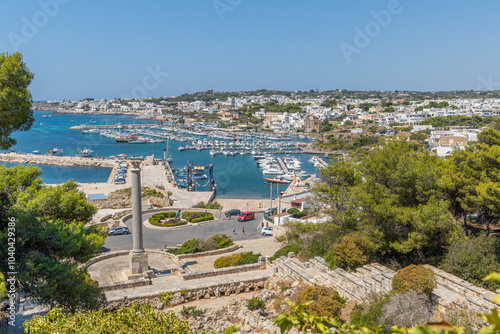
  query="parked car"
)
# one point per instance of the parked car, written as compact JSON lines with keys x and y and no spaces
{"x":267,"y":230}
{"x":119,"y":230}
{"x":244,"y":216}
{"x":233,"y":212}
{"x":269,"y":212}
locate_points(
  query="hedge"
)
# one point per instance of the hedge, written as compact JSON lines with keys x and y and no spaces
{"x":178,"y":223}
{"x":197,"y":216}
{"x":160,"y":216}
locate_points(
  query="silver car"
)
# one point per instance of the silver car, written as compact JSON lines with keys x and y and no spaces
{"x":119,"y":230}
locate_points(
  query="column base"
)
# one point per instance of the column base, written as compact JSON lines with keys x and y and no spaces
{"x":138,"y":263}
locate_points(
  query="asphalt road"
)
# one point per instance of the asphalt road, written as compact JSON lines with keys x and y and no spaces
{"x":157,"y":239}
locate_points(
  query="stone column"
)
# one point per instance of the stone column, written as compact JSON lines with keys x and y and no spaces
{"x":138,"y":258}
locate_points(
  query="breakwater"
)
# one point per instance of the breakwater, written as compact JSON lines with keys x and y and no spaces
{"x":57,"y":160}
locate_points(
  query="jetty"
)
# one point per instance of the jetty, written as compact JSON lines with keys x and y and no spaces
{"x":56,"y":160}
{"x":322,"y":162}
{"x":114,"y":126}
{"x":283,"y":166}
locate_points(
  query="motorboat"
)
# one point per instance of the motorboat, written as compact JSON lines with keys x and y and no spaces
{"x":55,"y":151}
{"x":278,"y":179}
{"x":85,"y":152}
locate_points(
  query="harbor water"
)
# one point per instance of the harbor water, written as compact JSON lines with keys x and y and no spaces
{"x":236,"y":176}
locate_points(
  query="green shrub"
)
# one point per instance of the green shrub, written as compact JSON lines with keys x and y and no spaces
{"x":203,"y":205}
{"x":3,"y":289}
{"x":231,"y":330}
{"x":191,"y":311}
{"x":200,"y":245}
{"x":327,"y":301}
{"x":202,"y":218}
{"x":151,"y":192}
{"x":237,"y":259}
{"x":349,"y":253}
{"x":155,"y":219}
{"x":417,"y":278}
{"x":368,"y":313}
{"x":198,"y":216}
{"x":473,"y":259}
{"x":165,"y":297}
{"x":189,"y":247}
{"x":219,"y":241}
{"x":255,"y":303}
{"x":284,"y":251}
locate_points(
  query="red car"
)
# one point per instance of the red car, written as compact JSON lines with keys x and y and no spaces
{"x":247,"y":215}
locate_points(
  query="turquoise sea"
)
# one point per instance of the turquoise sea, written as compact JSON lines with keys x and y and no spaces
{"x":236,"y":176}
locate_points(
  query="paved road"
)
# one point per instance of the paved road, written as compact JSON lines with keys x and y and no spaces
{"x":156,"y":239}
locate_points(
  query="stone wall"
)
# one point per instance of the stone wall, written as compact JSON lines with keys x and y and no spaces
{"x":125,"y":285}
{"x":474,"y":297}
{"x":208,"y":253}
{"x":222,"y":271}
{"x":377,"y":278}
{"x":180,"y":296}
{"x":110,"y":255}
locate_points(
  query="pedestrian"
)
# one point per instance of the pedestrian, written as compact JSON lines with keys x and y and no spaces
{"x":234,"y":230}
{"x":262,"y":225}
{"x":243,"y":229}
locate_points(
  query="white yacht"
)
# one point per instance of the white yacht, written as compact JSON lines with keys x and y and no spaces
{"x":85,"y":152}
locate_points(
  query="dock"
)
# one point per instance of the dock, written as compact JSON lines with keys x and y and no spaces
{"x":115,"y":126}
{"x":322,"y":162}
{"x":285,"y":169}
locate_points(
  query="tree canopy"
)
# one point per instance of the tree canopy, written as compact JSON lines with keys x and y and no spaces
{"x":51,"y":240}
{"x":15,"y":97}
{"x":401,"y":204}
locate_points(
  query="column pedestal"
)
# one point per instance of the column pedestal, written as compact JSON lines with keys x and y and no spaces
{"x":138,"y":264}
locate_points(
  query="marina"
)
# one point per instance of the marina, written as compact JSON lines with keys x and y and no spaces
{"x":234,"y":154}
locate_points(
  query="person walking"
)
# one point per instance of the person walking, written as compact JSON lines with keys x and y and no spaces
{"x":244,"y":230}
{"x":234,"y":230}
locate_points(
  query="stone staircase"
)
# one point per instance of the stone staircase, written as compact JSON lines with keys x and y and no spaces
{"x":378,"y":278}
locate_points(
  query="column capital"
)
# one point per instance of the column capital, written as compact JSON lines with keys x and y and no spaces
{"x":136,"y":164}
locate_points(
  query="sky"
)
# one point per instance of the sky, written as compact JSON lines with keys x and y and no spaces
{"x":119,"y":49}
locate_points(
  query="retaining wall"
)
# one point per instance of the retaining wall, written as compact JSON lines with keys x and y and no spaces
{"x":261,"y":265}
{"x":376,"y":278}
{"x":180,"y":296}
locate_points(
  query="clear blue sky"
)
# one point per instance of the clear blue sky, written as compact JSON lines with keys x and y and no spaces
{"x":103,"y":49}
